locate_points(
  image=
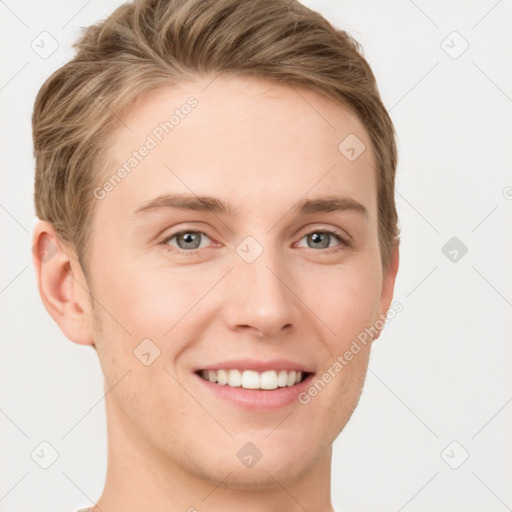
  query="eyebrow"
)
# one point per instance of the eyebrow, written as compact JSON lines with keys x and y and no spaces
{"x":214,"y":205}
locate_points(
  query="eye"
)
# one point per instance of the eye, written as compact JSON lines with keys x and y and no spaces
{"x":322,"y":238}
{"x":187,"y":241}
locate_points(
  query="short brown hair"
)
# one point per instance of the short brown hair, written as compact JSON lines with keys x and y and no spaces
{"x":155,"y":43}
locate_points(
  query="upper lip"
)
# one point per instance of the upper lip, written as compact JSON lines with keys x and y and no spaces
{"x":257,"y":365}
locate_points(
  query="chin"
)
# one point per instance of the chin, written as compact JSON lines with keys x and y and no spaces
{"x":262,"y":476}
{"x":279,"y":464}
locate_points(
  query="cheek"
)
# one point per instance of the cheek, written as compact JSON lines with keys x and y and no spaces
{"x":347,"y":391}
{"x":149,"y":301}
{"x":347,"y":304}
{"x":164,"y":302}
{"x":158,"y":303}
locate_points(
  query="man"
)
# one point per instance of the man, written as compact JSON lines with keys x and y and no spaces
{"x":215,"y":183}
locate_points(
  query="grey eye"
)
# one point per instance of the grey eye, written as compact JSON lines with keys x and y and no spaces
{"x":187,"y":239}
{"x":320,"y":239}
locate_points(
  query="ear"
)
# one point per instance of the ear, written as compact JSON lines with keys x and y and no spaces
{"x":388,"y":286}
{"x":62,"y":284}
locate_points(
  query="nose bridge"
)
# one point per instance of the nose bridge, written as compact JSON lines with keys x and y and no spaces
{"x":258,"y":291}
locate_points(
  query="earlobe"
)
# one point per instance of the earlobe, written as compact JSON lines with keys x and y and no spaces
{"x":62,"y":286}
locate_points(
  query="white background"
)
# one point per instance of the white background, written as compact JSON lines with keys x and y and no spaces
{"x":441,"y":370}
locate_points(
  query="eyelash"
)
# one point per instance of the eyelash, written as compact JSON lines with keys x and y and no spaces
{"x":338,"y":235}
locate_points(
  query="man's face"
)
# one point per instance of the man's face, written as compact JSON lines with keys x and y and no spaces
{"x":265,"y":289}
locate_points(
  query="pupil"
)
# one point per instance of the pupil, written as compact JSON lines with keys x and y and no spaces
{"x":316,"y":237}
{"x":190,"y":238}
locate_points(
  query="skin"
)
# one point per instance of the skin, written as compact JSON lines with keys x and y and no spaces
{"x":263,"y":147}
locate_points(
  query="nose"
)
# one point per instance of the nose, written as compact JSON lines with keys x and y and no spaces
{"x":260,"y":298}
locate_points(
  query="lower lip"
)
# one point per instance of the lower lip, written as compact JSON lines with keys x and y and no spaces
{"x":259,"y":399}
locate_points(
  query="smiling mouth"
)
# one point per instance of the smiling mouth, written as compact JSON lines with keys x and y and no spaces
{"x":251,"y":379}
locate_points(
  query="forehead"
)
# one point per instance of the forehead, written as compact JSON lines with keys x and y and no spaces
{"x":244,"y":140}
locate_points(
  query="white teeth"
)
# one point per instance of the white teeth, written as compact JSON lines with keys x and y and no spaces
{"x":234,"y":378}
{"x":268,"y":380}
{"x":251,"y":379}
{"x":291,"y":378}
{"x":222,"y":377}
{"x":282,"y":378}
